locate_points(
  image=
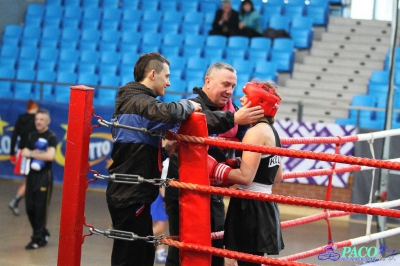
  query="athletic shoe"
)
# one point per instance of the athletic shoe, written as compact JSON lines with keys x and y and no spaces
{"x":14,"y":207}
{"x":161,"y":256}
{"x":32,"y":245}
{"x":46,"y":237}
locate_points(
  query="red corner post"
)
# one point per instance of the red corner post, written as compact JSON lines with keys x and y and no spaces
{"x":195,"y":225}
{"x":75,"y":175}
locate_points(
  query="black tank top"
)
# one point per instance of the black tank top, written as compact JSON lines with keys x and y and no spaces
{"x":269,"y":163}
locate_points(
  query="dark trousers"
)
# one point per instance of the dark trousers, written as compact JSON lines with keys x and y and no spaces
{"x":137,"y":252}
{"x":39,"y":186}
{"x":217,"y":224}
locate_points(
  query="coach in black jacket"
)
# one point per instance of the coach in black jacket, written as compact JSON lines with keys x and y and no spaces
{"x":137,"y":153}
{"x":224,"y":120}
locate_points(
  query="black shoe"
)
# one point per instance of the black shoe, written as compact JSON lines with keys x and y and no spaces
{"x":32,"y":245}
{"x":14,"y":207}
{"x":46,"y":237}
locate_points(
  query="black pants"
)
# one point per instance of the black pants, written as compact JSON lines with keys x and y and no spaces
{"x":39,"y":186}
{"x":137,"y":252}
{"x":217,"y":224}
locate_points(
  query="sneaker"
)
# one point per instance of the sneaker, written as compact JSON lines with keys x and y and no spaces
{"x":46,"y":237}
{"x":14,"y":207}
{"x":32,"y":245}
{"x":161,"y":256}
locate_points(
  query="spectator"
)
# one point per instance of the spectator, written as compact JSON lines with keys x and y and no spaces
{"x":41,"y":148}
{"x":249,"y":20}
{"x":24,"y":125}
{"x":138,"y":153}
{"x":226,"y":20}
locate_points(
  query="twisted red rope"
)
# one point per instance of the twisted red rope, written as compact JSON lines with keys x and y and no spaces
{"x":332,"y":205}
{"x":228,"y":254}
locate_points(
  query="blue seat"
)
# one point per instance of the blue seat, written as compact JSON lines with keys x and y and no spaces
{"x":194,"y":40}
{"x":234,"y":53}
{"x":301,"y":32}
{"x":177,"y":62}
{"x":90,"y":35}
{"x":27,"y":52}
{"x":130,"y":4}
{"x":376,"y":88}
{"x":90,"y":24}
{"x":110,"y":80}
{"x":270,"y":10}
{"x":129,"y":58}
{"x":168,"y":6}
{"x":283,"y":44}
{"x":216,"y":41}
{"x":173,"y":39}
{"x":110,"y":57}
{"x":89,"y":56}
{"x":208,"y":7}
{"x":168,"y":50}
{"x":149,"y":26}
{"x":13,"y":30}
{"x":66,"y":66}
{"x":6,"y":86}
{"x":169,"y":97}
{"x":72,"y":2}
{"x":257,"y":54}
{"x":89,"y":79}
{"x":238,"y":42}
{"x":91,"y":13}
{"x":284,"y":60}
{"x":62,"y":92}
{"x":29,"y":42}
{"x":31,"y":32}
{"x":23,"y":90}
{"x":48,"y":65}
{"x":128,"y":47}
{"x":379,"y":77}
{"x":112,"y":13}
{"x":91,"y":3}
{"x":131,"y":37}
{"x":70,"y":33}
{"x":130,"y":14}
{"x":9,"y":51}
{"x":129,"y":26}
{"x":72,"y":11}
{"x":48,"y":43}
{"x":191,"y":28}
{"x":35,"y":9}
{"x":295,"y":9}
{"x":169,"y":28}
{"x":105,"y":97}
{"x":189,"y":6}
{"x":197,"y":63}
{"x":172,"y":16}
{"x":261,"y":43}
{"x":11,"y":40}
{"x":243,"y":66}
{"x":151,"y":15}
{"x":48,"y":54}
{"x":51,"y":32}
{"x":110,"y":36}
{"x":148,"y":48}
{"x":7,"y":62}
{"x":149,"y":5}
{"x":86,"y":67}
{"x":361,"y":100}
{"x":209,"y":18}
{"x":151,"y":39}
{"x":279,"y":22}
{"x":108,"y":68}
{"x":193,"y":17}
{"x":176,"y":73}
{"x":33,"y":21}
{"x":192,"y":51}
{"x":70,"y":22}
{"x":69,"y":55}
{"x":110,"y":3}
{"x":177,"y":85}
{"x":44,"y":91}
{"x":53,"y":11}
{"x":194,"y":74}
{"x":215,"y":53}
{"x":318,"y":14}
{"x":109,"y":24}
{"x":266,"y":70}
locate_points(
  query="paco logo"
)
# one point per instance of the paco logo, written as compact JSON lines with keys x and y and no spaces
{"x":354,"y":254}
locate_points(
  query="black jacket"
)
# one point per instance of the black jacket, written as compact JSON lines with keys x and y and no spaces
{"x":24,"y":125}
{"x":137,"y":152}
{"x":217,"y":122}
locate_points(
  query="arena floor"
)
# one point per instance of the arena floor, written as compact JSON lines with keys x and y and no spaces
{"x":96,"y":250}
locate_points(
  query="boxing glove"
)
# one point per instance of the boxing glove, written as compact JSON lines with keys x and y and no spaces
{"x":40,"y":145}
{"x":218,"y":172}
{"x":234,"y":163}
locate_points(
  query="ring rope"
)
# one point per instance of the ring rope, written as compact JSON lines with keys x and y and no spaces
{"x":356,"y":208}
{"x":289,"y":152}
{"x":228,"y":254}
{"x":346,"y":243}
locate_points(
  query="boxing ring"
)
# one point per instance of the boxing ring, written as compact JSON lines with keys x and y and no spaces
{"x":195,"y":245}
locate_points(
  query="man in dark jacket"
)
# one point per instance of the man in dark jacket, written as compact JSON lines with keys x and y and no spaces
{"x":226,"y":21}
{"x":224,"y":120}
{"x":138,"y":153}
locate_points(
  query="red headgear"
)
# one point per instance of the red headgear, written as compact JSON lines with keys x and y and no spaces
{"x":262,"y":95}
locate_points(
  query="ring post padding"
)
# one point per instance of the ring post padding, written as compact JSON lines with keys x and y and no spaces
{"x":194,"y":207}
{"x":75,"y":175}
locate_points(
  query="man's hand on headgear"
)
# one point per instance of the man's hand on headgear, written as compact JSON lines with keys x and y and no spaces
{"x":248,"y":115}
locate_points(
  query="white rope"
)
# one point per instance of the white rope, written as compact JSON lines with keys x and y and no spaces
{"x":368,"y":238}
{"x":378,"y":134}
